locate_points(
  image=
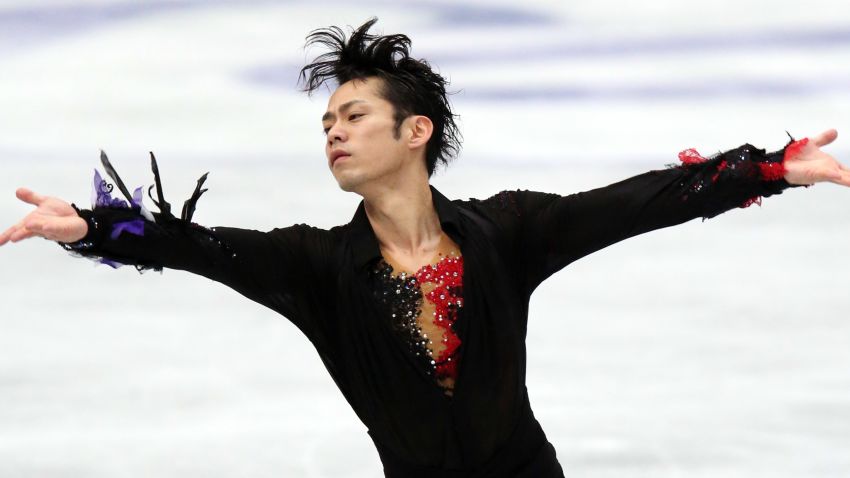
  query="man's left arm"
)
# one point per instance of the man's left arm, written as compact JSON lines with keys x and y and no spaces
{"x":556,"y":230}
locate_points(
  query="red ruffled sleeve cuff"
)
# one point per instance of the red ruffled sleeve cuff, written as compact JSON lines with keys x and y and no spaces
{"x":747,"y":167}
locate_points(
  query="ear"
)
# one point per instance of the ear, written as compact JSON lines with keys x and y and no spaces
{"x":420,"y":131}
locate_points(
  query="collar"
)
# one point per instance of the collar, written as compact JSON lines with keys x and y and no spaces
{"x":365,"y":244}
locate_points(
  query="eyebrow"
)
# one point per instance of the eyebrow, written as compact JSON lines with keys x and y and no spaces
{"x":343,"y":108}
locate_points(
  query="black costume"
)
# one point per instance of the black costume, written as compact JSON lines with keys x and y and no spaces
{"x":326,"y":282}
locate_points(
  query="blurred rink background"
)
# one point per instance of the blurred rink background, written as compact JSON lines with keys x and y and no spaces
{"x":710,"y":349}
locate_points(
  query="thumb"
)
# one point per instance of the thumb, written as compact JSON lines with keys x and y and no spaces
{"x":29,"y":196}
{"x":826,"y":137}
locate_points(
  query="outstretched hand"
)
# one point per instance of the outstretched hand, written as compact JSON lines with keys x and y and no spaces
{"x":53,"y":219}
{"x":810,"y":165}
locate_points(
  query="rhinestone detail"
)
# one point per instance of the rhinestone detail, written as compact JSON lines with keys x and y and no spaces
{"x":403,"y":296}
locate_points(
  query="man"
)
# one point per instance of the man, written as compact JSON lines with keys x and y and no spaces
{"x":418,"y":306}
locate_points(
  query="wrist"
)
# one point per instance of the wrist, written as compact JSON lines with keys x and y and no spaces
{"x":92,"y":236}
{"x":791,"y":152}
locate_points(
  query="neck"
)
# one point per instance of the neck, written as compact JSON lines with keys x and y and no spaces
{"x":404,"y":219}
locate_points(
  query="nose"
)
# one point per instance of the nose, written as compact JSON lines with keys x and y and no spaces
{"x":336,"y":133}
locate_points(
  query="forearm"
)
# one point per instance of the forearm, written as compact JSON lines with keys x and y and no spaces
{"x":556,"y":230}
{"x":736,"y":178}
{"x":124,"y":232}
{"x":122,"y":236}
{"x":284,"y":268}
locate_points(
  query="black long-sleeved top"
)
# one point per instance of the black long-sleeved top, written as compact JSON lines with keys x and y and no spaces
{"x":326,"y":283}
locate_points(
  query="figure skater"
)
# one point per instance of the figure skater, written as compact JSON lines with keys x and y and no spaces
{"x":418,"y":306}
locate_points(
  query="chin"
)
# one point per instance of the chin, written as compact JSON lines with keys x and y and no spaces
{"x":347,"y":184}
{"x":355,"y":181}
{"x":346,"y":188}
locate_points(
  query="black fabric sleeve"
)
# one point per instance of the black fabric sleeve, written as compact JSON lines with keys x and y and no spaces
{"x":273,"y":268}
{"x":549,"y":231}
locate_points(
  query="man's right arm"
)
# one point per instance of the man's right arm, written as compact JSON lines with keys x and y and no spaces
{"x":282,"y":268}
{"x":267,"y":267}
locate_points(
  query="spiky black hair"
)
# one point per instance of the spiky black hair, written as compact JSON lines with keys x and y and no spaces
{"x":410,"y":85}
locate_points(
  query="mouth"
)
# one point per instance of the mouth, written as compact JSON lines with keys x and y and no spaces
{"x":338,"y":157}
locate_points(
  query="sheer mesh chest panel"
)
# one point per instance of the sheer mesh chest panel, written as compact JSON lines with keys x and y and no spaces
{"x":423,"y":306}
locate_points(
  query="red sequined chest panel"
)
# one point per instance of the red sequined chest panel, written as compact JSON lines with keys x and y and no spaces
{"x":423,"y":308}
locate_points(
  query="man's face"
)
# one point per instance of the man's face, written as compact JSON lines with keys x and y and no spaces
{"x":360,"y":124}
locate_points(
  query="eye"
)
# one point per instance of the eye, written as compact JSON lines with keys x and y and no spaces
{"x":351,"y":117}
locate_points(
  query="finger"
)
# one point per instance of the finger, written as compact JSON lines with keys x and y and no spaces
{"x":4,"y":238}
{"x":843,"y":180}
{"x":29,"y":196}
{"x":8,"y":232}
{"x":826,"y":137}
{"x":21,"y":234}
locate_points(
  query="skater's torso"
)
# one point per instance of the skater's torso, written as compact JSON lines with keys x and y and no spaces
{"x":435,"y":278}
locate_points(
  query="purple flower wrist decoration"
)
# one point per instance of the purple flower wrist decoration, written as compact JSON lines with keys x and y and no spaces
{"x":110,"y":216}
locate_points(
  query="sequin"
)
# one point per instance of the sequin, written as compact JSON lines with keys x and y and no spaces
{"x":405,"y":309}
{"x":744,"y":163}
